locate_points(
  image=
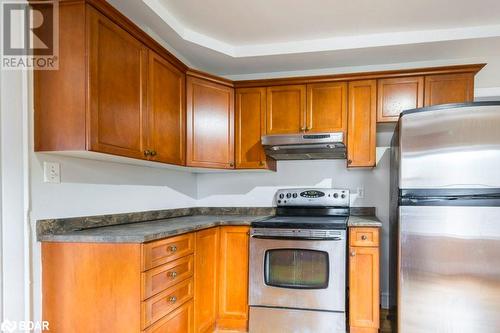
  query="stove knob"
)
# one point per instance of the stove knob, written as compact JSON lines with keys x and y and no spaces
{"x":342,"y":196}
{"x":282,"y":195}
{"x":335,"y":195}
{"x":295,"y":195}
{"x":279,"y":201}
{"x":288,"y":195}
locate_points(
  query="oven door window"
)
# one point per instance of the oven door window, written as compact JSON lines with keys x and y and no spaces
{"x":296,"y":268}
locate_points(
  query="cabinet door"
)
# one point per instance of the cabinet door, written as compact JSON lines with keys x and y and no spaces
{"x":205,"y":279}
{"x":449,"y":88}
{"x":210,"y":124}
{"x":286,"y":107}
{"x":118,"y":80}
{"x":233,"y":278}
{"x":327,"y":107}
{"x":250,"y":126}
{"x":399,"y":94}
{"x":361,"y":132}
{"x":178,"y":321}
{"x":364,"y":288}
{"x":166,"y":111}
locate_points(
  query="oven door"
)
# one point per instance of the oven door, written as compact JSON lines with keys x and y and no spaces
{"x":300,"y":273}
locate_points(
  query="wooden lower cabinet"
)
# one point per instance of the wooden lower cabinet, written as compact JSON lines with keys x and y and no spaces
{"x":364,"y":288}
{"x":195,"y":282}
{"x":206,"y":280}
{"x":233,"y":278}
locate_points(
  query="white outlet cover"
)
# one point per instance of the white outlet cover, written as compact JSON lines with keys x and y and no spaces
{"x":361,"y":192}
{"x":51,"y":172}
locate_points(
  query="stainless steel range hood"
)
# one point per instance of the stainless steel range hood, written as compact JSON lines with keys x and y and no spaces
{"x":318,"y":146}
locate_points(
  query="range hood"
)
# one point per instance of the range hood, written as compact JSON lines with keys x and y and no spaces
{"x":318,"y":146}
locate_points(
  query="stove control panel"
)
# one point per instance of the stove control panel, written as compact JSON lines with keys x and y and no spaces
{"x":319,"y":197}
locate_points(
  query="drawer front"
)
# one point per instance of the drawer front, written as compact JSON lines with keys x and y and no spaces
{"x":165,"y":250}
{"x":364,"y":236}
{"x":163,"y":303}
{"x":162,"y":277}
{"x":178,"y":321}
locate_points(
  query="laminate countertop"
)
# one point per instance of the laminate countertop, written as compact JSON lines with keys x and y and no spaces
{"x":141,"y":232}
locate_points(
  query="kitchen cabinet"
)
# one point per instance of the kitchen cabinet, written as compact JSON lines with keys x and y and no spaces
{"x":233,"y":278}
{"x":210,"y":124}
{"x":206,"y":280}
{"x":449,"y":88}
{"x":250,"y":126}
{"x":166,"y":97}
{"x":361,"y":128}
{"x":398,"y":94}
{"x":117,"y":86}
{"x":364,"y":284}
{"x":116,"y":91}
{"x":326,"y":107}
{"x":286,"y":109}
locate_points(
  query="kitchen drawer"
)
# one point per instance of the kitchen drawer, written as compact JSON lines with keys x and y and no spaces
{"x":364,"y":236}
{"x":163,"y":303}
{"x":166,"y":250}
{"x":162,"y":277}
{"x":178,"y":321}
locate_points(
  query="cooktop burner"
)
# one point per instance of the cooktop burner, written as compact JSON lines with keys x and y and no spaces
{"x":309,"y":208}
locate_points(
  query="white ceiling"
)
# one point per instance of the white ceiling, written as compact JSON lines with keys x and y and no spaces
{"x":236,"y":37}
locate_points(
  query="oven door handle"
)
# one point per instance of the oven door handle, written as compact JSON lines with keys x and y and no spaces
{"x":298,"y":238}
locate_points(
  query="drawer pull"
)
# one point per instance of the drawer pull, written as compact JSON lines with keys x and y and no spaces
{"x":172,"y":248}
{"x":353,"y":253}
{"x":172,"y":299}
{"x":173,"y":275}
{"x":363,"y":237}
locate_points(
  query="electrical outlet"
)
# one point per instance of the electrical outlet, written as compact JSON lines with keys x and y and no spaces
{"x":361,"y":192}
{"x":51,"y":172}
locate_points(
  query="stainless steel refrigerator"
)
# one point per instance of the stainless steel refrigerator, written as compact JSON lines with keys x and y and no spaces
{"x":445,"y":219}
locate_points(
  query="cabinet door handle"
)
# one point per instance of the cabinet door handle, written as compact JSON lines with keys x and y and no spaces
{"x":303,"y":129}
{"x":172,"y":299}
{"x":353,"y":253}
{"x":147,"y":152}
{"x":231,"y":164}
{"x":173,"y":275}
{"x":153,"y":153}
{"x":172,"y":248}
{"x":363,"y":237}
{"x":261,"y":163}
{"x":349,"y":161}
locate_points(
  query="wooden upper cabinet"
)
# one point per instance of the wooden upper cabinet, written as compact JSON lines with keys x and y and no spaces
{"x":166,"y":98}
{"x":206,"y":280}
{"x":398,"y":94}
{"x":210,"y":124}
{"x":286,"y":109}
{"x":326,"y":107}
{"x":233,"y":278}
{"x":362,"y":121}
{"x":449,"y":88}
{"x":249,"y":128}
{"x":117,"y":83}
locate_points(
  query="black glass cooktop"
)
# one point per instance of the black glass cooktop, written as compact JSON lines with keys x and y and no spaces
{"x":303,"y":222}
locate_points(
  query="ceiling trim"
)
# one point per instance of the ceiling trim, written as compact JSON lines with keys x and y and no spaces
{"x":320,"y":45}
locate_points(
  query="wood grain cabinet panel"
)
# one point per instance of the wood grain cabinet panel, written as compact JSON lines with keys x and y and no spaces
{"x":206,"y":280}
{"x":178,"y":321}
{"x":117,"y":82}
{"x":286,"y":107}
{"x":362,"y":121}
{"x":166,"y":104}
{"x":398,"y":94}
{"x":249,"y":128}
{"x":327,"y":107}
{"x":166,"y":250}
{"x":233,"y":278}
{"x":449,"y":88}
{"x":210,"y":124}
{"x":364,"y":289}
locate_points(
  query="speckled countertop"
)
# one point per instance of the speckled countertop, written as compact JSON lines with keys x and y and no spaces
{"x":100,"y":230}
